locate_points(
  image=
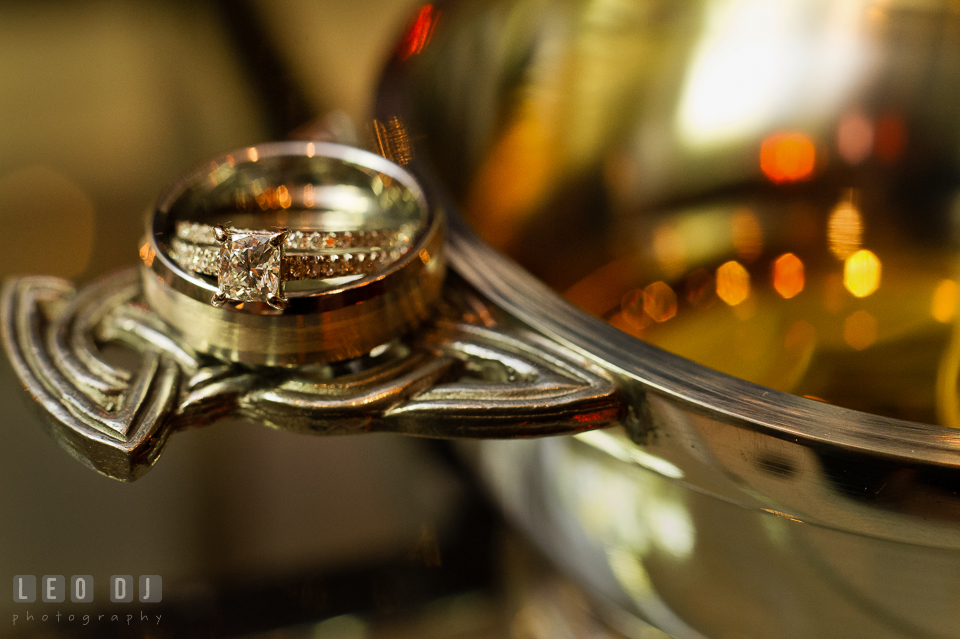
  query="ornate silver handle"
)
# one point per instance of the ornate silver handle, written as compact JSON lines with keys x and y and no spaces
{"x":468,"y":373}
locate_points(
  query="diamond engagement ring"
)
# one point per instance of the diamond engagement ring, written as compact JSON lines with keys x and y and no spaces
{"x":252,"y":265}
{"x":293,"y":252}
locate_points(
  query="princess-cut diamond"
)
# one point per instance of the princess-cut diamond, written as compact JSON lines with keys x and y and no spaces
{"x":249,"y":269}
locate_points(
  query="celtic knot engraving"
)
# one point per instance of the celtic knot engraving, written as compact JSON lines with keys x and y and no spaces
{"x":113,"y":382}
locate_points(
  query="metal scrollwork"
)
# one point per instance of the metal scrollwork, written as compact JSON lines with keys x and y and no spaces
{"x":466,"y":374}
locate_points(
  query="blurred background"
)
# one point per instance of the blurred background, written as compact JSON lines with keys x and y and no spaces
{"x":104,"y":103}
{"x":766,"y":187}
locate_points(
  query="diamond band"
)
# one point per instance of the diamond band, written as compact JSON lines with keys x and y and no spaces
{"x":251,"y":266}
{"x":206,"y":261}
{"x":197,"y":233}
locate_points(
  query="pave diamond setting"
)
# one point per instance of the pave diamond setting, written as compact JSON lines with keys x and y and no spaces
{"x":250,"y":267}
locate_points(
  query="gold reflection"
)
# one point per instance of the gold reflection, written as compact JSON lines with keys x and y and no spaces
{"x":669,"y":250}
{"x":659,"y":301}
{"x":309,"y":196}
{"x":747,"y":309}
{"x":943,"y":306}
{"x":497,"y":201}
{"x":788,"y":277}
{"x":49,"y":220}
{"x":854,"y":137}
{"x":787,"y":157}
{"x":891,"y":138}
{"x":701,"y":291}
{"x":393,"y":140}
{"x":800,"y":337}
{"x":147,"y":254}
{"x":845,"y":228}
{"x":631,"y":308}
{"x":733,"y":283}
{"x":860,"y":330}
{"x":834,"y":297}
{"x":747,"y":235}
{"x":861,"y":273}
{"x":710,"y":164}
{"x":283,"y":197}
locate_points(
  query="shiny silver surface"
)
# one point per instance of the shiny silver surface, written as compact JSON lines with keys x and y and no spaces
{"x":320,"y":323}
{"x":722,"y":508}
{"x":464,"y":375}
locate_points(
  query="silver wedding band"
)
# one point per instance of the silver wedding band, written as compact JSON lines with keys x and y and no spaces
{"x":323,"y":253}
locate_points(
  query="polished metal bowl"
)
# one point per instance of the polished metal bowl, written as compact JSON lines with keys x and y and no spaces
{"x":613,"y":148}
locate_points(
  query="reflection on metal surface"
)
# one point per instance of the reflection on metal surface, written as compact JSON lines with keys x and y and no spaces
{"x":393,"y":141}
{"x":845,"y":228}
{"x":453,"y":380}
{"x":788,"y":275}
{"x":861,"y":273}
{"x":733,"y":283}
{"x":860,"y":329}
{"x":830,"y":518}
{"x":419,"y":32}
{"x":747,"y":236}
{"x":854,"y":137}
{"x":787,"y":157}
{"x":659,"y":301}
{"x":943,"y":306}
{"x":891,"y":138}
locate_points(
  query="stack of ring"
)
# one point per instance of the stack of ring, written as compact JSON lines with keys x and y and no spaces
{"x":291,"y":253}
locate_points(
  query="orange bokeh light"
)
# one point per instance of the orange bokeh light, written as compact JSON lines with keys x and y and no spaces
{"x":659,"y":301}
{"x":420,"y":32}
{"x":733,"y":283}
{"x":788,"y":277}
{"x":787,"y":157}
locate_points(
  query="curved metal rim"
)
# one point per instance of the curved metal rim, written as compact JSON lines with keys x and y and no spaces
{"x":511,"y":287}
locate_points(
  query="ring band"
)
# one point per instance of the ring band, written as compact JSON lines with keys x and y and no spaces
{"x":362,"y":203}
{"x":304,"y":255}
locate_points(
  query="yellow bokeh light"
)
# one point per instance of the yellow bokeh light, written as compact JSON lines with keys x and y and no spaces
{"x":659,"y":301}
{"x":861,"y":273}
{"x":844,"y":229}
{"x":733,"y":283}
{"x":788,"y":276}
{"x":284,"y":199}
{"x":860,"y":330}
{"x":944,"y":304}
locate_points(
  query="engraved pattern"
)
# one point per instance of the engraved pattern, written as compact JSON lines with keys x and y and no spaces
{"x":465,"y":375}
